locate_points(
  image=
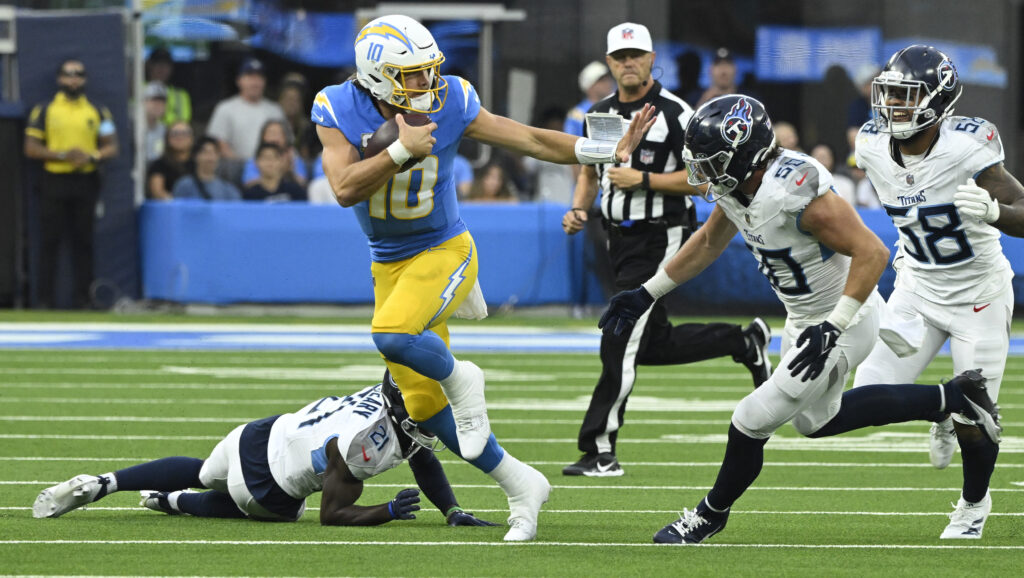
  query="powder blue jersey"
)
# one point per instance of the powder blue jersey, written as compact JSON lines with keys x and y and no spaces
{"x":416,"y":209}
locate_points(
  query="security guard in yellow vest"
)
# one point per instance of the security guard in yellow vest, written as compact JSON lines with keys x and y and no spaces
{"x":72,"y":136}
{"x":159,"y":68}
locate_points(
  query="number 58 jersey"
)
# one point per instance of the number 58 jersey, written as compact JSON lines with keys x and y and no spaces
{"x":949,"y":258}
{"x":416,"y":209}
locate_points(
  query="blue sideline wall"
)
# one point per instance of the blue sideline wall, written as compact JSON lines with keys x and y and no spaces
{"x":223,"y":253}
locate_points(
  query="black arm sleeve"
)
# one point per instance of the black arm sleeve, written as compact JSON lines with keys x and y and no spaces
{"x":431,"y":479}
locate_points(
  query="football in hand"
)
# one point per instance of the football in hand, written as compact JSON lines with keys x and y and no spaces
{"x":387,"y":133}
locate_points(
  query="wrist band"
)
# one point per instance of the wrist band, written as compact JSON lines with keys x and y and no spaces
{"x":646,"y":181}
{"x":592,"y":152}
{"x":452,"y":510}
{"x":391,"y":510}
{"x":399,"y":154}
{"x":659,"y":285}
{"x":844,"y":311}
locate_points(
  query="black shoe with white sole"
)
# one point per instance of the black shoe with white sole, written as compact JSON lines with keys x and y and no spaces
{"x":755,"y":359}
{"x":595,"y":466}
{"x":980,"y":407}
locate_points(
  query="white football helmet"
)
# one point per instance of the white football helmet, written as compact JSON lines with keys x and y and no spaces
{"x":390,"y":47}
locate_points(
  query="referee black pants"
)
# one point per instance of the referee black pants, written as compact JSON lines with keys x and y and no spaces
{"x":67,"y":213}
{"x":636,"y":253}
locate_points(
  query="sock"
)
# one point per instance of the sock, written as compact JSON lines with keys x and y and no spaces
{"x":425,"y":353}
{"x":211,"y":504}
{"x":442,"y":424}
{"x":165,"y":474}
{"x":744,"y":457}
{"x":979,"y":458}
{"x":874,"y":405}
{"x":108,"y":485}
{"x":954,"y":398}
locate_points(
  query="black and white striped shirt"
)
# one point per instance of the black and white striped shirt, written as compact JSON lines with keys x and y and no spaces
{"x":659,"y":152}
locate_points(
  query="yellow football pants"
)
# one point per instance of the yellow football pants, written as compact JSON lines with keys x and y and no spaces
{"x":417,"y":294}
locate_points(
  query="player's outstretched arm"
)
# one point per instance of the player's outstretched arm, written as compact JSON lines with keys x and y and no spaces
{"x":341,"y":490}
{"x":430,"y":477}
{"x":550,"y":145}
{"x":702,"y":248}
{"x":1006,"y":191}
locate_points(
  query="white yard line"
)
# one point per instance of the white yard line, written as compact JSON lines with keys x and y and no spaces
{"x":536,"y":544}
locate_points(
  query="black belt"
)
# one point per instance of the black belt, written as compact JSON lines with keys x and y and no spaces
{"x":636,"y":227}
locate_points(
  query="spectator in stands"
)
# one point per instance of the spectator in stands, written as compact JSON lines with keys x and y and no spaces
{"x":237,"y":121}
{"x":203,"y":183}
{"x":596,"y":83}
{"x":858,"y":111}
{"x":843,"y":185}
{"x":688,"y":67}
{"x":272,"y":186}
{"x":723,"y":78}
{"x":463,"y":171}
{"x":72,"y":135}
{"x":155,"y":105}
{"x":276,"y":131}
{"x":292,"y":98}
{"x":174,"y":163}
{"x":549,"y":181}
{"x":787,"y":136}
{"x":159,"y":68}
{"x":492,"y":184}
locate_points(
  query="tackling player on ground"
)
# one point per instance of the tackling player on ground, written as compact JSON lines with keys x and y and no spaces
{"x":941,"y":179}
{"x":823,"y":264}
{"x":264,"y":470}
{"x":424,"y":259}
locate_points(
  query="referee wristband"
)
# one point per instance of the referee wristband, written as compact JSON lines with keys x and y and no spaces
{"x":659,"y":285}
{"x":843,"y":313}
{"x":399,"y":154}
{"x":646,"y":181}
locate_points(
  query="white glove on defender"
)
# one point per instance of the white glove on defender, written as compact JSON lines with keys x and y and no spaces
{"x":974,"y":201}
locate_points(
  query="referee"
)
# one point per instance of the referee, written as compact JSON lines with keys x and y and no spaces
{"x":72,"y":136}
{"x":648,"y":214}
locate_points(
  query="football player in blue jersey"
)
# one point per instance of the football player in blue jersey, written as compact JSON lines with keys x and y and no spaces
{"x":424,"y":260}
{"x":264,"y":470}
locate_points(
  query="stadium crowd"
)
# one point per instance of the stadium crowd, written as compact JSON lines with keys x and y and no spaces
{"x":268,"y":149}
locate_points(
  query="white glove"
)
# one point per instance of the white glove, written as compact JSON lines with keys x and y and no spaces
{"x":974,"y":201}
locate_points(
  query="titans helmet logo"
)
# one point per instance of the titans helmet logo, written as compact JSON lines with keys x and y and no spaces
{"x":947,"y":75}
{"x":737,"y":124}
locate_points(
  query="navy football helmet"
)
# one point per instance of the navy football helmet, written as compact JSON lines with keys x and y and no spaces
{"x":415,"y":438}
{"x":726,"y":141}
{"x":917,"y":88}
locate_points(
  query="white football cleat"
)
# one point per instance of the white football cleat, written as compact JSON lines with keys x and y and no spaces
{"x":525,"y":499}
{"x":60,"y":499}
{"x":942,"y":443}
{"x":967,"y":520}
{"x":469,"y":408}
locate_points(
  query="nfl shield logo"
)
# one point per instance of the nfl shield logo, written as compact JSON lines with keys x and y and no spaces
{"x":746,"y":217}
{"x":627,"y":33}
{"x":910,"y":179}
{"x":646,"y":156}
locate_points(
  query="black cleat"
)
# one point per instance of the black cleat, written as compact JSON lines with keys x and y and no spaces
{"x":980,"y":407}
{"x":757,"y":336}
{"x":693,"y":527}
{"x":595,"y":466}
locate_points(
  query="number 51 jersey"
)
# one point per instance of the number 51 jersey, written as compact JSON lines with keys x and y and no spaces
{"x":416,"y":209}
{"x":950,"y":259}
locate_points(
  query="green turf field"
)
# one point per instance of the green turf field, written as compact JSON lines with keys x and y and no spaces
{"x":866,"y":503}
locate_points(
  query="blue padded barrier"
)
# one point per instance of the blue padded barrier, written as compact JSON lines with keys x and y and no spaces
{"x":298,"y":253}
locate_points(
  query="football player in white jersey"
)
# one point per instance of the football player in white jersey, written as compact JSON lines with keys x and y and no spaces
{"x":264,"y":470}
{"x":823,"y":264}
{"x":941,"y":179}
